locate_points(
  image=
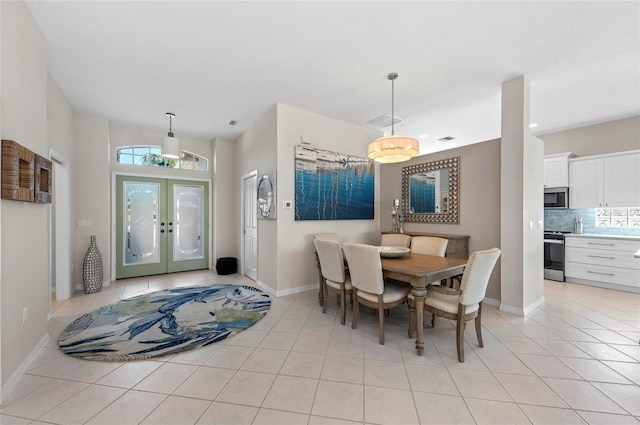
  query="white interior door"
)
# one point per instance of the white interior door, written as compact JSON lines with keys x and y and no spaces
{"x":250,"y":225}
{"x":62,"y":222}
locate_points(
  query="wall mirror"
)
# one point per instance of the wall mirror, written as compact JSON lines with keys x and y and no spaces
{"x":431,"y":192}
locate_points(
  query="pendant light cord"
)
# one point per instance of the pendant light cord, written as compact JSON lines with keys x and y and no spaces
{"x":392,"y":113}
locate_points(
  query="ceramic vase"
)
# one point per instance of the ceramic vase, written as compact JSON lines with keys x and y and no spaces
{"x":92,"y":269}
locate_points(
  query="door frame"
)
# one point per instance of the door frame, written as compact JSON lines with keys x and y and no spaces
{"x":64,"y":291}
{"x":248,"y":175}
{"x":154,"y":176}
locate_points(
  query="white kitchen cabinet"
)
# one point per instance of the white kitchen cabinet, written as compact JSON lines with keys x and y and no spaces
{"x":556,"y":170}
{"x":605,"y":181}
{"x":604,"y":262}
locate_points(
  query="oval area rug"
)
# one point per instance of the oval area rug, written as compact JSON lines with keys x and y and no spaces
{"x":164,"y":322}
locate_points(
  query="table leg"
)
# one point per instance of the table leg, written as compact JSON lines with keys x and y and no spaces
{"x":419,"y":294}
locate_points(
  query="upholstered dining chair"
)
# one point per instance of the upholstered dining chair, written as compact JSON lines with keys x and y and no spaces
{"x":332,"y":268}
{"x":395,"y":239}
{"x":464,"y":303}
{"x":327,"y":237}
{"x":429,"y":245}
{"x":369,"y":286}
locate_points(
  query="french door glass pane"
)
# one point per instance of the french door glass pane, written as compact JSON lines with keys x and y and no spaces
{"x":188,"y":222}
{"x":141,"y":230}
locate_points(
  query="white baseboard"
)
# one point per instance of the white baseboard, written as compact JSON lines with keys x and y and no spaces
{"x":522,"y":311}
{"x":491,"y":301}
{"x":13,"y":380}
{"x":269,"y":290}
{"x":537,"y":303}
{"x":512,"y":310}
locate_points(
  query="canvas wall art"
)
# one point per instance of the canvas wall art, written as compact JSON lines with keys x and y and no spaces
{"x":332,"y":185}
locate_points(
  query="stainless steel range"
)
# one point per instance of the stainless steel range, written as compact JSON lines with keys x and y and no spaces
{"x":554,"y":255}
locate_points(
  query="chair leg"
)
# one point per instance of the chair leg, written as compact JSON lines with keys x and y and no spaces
{"x":381,"y":319}
{"x":326,"y":294}
{"x":343,"y":305}
{"x":412,"y":317}
{"x":478,"y":325}
{"x":460,"y":333}
{"x":356,"y":308}
{"x":433,"y":320}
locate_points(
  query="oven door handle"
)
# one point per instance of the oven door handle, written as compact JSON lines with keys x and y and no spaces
{"x":553,"y":241}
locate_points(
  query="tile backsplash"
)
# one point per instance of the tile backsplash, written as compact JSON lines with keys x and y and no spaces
{"x":563,"y":220}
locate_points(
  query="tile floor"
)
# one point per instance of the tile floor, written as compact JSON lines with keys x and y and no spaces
{"x":574,"y":360}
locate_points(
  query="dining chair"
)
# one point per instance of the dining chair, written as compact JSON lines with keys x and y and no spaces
{"x":369,"y":286}
{"x":429,"y":245}
{"x":465,"y":303}
{"x":327,"y":237}
{"x":332,"y":269}
{"x":395,"y":239}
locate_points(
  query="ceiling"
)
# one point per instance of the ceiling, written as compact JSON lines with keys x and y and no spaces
{"x":212,"y":62}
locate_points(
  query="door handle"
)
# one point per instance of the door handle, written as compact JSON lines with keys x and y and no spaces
{"x":161,"y":230}
{"x":161,"y":224}
{"x":170,"y":230}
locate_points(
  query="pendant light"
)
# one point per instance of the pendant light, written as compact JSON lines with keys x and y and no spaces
{"x":393,"y":148}
{"x":170,"y":145}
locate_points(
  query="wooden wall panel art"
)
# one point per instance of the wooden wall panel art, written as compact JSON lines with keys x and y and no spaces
{"x":43,"y":177}
{"x":18,"y":177}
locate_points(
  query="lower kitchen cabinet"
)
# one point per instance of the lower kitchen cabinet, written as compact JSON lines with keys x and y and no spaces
{"x":602,"y":261}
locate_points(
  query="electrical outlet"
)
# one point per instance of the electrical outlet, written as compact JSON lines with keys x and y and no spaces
{"x":286,"y":204}
{"x":25,"y":315}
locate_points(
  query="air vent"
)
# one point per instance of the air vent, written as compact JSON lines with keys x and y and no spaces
{"x":384,"y":121}
{"x":446,"y":139}
{"x":233,"y":122}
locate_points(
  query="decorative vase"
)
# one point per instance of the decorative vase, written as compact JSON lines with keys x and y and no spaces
{"x":92,"y":269}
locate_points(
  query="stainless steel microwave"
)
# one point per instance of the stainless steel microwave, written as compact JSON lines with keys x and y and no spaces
{"x":556,"y":197}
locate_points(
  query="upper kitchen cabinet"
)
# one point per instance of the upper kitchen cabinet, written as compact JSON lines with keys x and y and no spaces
{"x":556,"y":169}
{"x":605,"y":181}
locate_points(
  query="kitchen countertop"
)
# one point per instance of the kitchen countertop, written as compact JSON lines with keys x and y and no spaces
{"x":599,"y":236}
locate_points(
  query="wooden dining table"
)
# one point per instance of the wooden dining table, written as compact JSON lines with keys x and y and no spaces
{"x":420,"y":270}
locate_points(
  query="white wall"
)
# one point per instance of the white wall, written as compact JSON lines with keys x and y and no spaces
{"x":23,"y":225}
{"x":295,"y":258}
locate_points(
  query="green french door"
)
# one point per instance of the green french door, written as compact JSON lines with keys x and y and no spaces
{"x":162,"y":226}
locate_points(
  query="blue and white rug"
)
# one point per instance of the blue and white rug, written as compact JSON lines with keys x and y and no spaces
{"x":164,"y":322}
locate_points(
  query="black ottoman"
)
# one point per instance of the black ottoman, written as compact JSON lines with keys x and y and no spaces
{"x":227,"y":265}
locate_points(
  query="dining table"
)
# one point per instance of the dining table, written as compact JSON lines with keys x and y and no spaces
{"x":420,"y":270}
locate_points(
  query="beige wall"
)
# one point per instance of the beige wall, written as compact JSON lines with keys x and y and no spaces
{"x":256,"y":150}
{"x":613,"y":136}
{"x":479,"y":199}
{"x":226,"y":199}
{"x":91,"y":187}
{"x":23,"y":225}
{"x":60,"y":130}
{"x":295,"y":254}
{"x":521,"y":211}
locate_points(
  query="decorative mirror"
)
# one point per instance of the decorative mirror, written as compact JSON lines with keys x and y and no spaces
{"x":431,"y":192}
{"x":267,"y":196}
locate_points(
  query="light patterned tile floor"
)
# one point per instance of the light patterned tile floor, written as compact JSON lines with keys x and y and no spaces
{"x":572,"y":360}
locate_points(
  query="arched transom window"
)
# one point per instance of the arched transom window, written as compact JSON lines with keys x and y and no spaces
{"x":152,"y":156}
